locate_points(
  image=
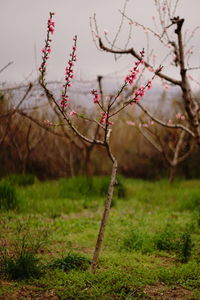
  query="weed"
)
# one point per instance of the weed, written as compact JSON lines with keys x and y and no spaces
{"x":23,"y":266}
{"x":18,"y":259}
{"x":73,"y":261}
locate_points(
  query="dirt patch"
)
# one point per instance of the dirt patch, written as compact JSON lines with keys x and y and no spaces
{"x":29,"y":296}
{"x":162,"y":292}
{"x":28,"y":293}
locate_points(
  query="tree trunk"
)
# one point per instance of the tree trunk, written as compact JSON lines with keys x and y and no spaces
{"x":172,"y":174}
{"x":104,"y":217}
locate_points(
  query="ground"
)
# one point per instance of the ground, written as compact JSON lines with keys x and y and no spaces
{"x":150,"y":251}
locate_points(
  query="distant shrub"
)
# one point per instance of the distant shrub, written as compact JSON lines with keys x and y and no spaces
{"x":75,"y":187}
{"x":21,"y":179}
{"x":171,"y":240}
{"x":23,"y":266}
{"x":166,"y":239}
{"x":73,"y":261}
{"x":185,"y":247}
{"x":8,"y":196}
{"x":78,"y":187}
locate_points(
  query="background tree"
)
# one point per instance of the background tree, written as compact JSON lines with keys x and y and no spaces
{"x":169,"y":32}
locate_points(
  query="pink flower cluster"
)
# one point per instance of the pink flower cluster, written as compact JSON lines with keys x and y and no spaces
{"x":51,"y":24}
{"x":72,"y":113}
{"x":47,"y":49}
{"x":149,"y":84}
{"x":133,"y":73}
{"x":104,"y":118}
{"x":141,"y":91}
{"x":97,"y":97}
{"x":69,"y":74}
{"x":180,"y":116}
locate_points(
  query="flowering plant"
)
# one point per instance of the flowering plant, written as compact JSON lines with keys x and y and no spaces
{"x":106,"y":112}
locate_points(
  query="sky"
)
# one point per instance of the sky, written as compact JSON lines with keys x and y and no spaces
{"x":23,"y":30}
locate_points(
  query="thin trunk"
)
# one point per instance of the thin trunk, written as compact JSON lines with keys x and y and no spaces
{"x":104,"y":217}
{"x":172,"y":175}
{"x":191,"y":106}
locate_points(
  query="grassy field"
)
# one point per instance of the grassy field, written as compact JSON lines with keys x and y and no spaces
{"x":151,"y":246}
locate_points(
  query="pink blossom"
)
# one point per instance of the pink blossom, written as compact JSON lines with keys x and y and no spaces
{"x":140,"y":92}
{"x":149,"y":84}
{"x":151,"y":69}
{"x":104,"y":118}
{"x":48,"y":123}
{"x":72,"y":113}
{"x":69,"y":74}
{"x":64,"y":101}
{"x":142,"y":53}
{"x":133,"y":73}
{"x":47,"y":49}
{"x":130,"y":123}
{"x":97,"y":96}
{"x":166,"y":86}
{"x":178,"y":115}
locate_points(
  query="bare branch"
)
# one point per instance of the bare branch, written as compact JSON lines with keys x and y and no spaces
{"x":136,"y":55}
{"x":6,"y":66}
{"x":163,"y":123}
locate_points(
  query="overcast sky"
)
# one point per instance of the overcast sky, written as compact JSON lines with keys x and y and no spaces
{"x":23,"y":30}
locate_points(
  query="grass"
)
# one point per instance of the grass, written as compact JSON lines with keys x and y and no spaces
{"x":151,"y":243}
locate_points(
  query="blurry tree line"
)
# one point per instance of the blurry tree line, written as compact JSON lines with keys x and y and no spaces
{"x":31,"y":142}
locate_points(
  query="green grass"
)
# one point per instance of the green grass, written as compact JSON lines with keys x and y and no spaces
{"x":151,"y":241}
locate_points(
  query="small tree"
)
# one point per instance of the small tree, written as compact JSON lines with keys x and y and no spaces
{"x":103,"y":119}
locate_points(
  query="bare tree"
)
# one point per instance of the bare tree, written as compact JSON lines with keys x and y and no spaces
{"x":170,"y":34}
{"x":174,"y":145}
